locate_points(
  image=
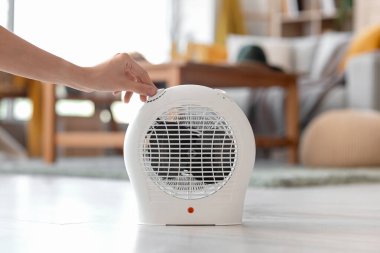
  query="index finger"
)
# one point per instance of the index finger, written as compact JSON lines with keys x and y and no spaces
{"x":136,"y":70}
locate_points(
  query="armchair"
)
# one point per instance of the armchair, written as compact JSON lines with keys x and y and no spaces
{"x":314,"y":59}
{"x":363,"y":81}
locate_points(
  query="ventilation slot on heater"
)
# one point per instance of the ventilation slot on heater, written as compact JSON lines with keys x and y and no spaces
{"x":189,"y":152}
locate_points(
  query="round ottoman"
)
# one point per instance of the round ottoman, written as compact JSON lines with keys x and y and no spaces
{"x":342,"y":138}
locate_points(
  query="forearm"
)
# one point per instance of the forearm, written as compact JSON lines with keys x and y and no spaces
{"x":19,"y":57}
{"x":120,"y":73}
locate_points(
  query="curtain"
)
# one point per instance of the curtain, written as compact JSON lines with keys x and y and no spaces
{"x":230,"y":20}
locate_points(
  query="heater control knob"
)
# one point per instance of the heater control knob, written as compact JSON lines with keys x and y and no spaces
{"x":159,"y":93}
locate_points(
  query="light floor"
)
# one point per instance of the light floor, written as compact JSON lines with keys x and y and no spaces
{"x":62,"y":214}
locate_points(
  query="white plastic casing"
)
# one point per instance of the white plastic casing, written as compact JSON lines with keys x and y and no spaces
{"x":224,"y":207}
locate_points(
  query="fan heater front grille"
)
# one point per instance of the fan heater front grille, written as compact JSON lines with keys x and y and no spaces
{"x":189,"y":152}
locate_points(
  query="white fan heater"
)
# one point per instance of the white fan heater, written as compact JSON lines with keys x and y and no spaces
{"x":189,"y":154}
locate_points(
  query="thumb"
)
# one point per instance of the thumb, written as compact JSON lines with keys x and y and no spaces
{"x":143,"y":89}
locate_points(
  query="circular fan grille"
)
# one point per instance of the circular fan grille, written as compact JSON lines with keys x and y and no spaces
{"x":189,"y":152}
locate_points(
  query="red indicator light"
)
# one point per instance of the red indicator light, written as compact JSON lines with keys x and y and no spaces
{"x":190,"y":210}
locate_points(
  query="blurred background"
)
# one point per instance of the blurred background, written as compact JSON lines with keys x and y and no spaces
{"x":311,"y":40}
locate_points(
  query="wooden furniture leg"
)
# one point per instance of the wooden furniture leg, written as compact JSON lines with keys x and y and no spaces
{"x":291,"y":118}
{"x":48,"y":124}
{"x":35,"y":123}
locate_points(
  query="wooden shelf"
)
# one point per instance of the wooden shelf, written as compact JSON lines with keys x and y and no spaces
{"x":313,"y":19}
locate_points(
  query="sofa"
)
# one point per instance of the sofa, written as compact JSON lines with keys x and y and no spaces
{"x":323,"y":85}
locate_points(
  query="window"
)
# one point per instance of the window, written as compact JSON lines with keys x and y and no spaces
{"x":87,"y":32}
{"x":6,"y":13}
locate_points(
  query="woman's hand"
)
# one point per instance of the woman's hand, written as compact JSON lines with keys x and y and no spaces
{"x":120,"y":73}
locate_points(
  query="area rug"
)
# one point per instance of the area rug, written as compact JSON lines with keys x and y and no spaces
{"x":265,"y":173}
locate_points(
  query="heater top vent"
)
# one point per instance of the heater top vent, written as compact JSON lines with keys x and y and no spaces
{"x":189,"y":151}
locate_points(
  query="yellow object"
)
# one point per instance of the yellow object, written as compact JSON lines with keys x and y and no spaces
{"x":34,"y":140}
{"x":230,"y":20}
{"x":201,"y":53}
{"x":175,"y":55}
{"x":204,"y":53}
{"x":365,"y":41}
{"x":34,"y":93}
{"x":23,"y":87}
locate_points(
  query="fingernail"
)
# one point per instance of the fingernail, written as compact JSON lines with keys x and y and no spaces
{"x":152,"y":91}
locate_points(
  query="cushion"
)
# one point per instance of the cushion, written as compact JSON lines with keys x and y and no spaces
{"x":342,"y":138}
{"x":367,"y":40}
{"x":314,"y":55}
{"x":329,"y":46}
{"x":291,"y":54}
{"x":303,"y":52}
